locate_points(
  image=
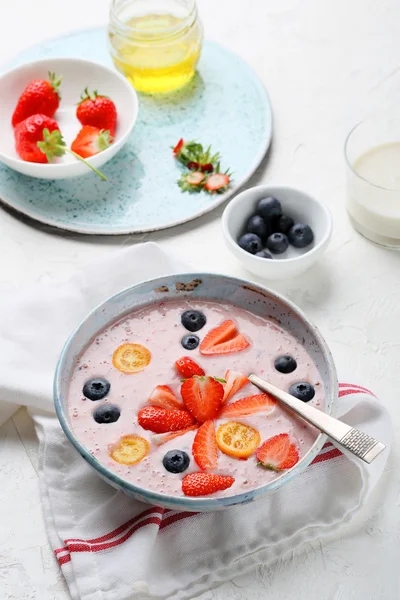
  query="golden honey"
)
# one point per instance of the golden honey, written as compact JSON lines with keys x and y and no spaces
{"x":156,"y":51}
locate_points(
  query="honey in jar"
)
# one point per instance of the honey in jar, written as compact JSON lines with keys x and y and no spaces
{"x":156,"y":44}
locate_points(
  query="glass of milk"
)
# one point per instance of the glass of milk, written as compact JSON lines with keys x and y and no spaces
{"x":372,"y":153}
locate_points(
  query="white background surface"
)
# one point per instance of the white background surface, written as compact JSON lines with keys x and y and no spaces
{"x":326,"y":64}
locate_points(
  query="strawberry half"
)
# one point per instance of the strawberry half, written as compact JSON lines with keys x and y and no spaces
{"x":223,"y":339}
{"x":191,"y":182}
{"x":203,"y":484}
{"x":217,"y":183}
{"x":161,"y":438}
{"x":278,"y":453}
{"x":202,"y":397}
{"x":187,"y":367}
{"x":205,"y":449}
{"x":248,"y":406}
{"x":164,"y":397}
{"x":90,"y":141}
{"x":234,"y":382}
{"x":160,"y":420}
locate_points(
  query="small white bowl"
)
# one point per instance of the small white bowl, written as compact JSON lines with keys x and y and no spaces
{"x":302,"y":207}
{"x":76,"y":75}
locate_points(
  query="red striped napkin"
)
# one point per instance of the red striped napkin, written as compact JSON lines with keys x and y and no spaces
{"x":111,"y":547}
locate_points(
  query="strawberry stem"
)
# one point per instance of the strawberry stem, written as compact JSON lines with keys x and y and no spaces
{"x":55,"y":82}
{"x":99,"y":173}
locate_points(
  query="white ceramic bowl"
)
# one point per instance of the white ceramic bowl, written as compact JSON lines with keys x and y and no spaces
{"x":76,"y":75}
{"x":302,"y":207}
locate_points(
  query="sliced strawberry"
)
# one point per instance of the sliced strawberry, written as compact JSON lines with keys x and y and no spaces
{"x":223,"y":333}
{"x":223,"y":339}
{"x":278,"y":453}
{"x":187,"y":367}
{"x":195,"y":178}
{"x":202,"y":397}
{"x":160,"y":420}
{"x":217,"y":182}
{"x":178,"y":146}
{"x":203,"y":484}
{"x":161,"y":438}
{"x":90,"y":141}
{"x":164,"y":397}
{"x":204,"y":449}
{"x":248,"y":406}
{"x":234,"y":382}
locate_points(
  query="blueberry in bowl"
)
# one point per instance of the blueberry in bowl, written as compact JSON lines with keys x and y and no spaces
{"x":300,"y":236}
{"x":277,"y":243}
{"x":258,"y":226}
{"x":193,"y":320}
{"x":96,"y":389}
{"x":298,"y":229}
{"x":251,"y":243}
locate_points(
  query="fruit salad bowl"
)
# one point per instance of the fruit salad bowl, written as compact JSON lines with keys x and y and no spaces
{"x":107,"y":323}
{"x":76,"y":76}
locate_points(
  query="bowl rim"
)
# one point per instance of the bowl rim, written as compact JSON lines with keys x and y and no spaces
{"x":105,"y":153}
{"x":194,"y":503}
{"x":242,"y":196}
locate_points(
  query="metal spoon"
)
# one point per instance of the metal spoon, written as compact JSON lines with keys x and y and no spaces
{"x":358,"y":443}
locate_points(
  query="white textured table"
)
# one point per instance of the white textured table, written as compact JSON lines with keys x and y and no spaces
{"x":326,"y":64}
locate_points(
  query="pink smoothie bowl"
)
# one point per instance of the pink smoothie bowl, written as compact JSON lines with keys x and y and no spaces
{"x":253,"y":298}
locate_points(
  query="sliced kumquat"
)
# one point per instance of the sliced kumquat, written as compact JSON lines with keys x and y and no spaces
{"x":131,"y":358}
{"x":237,"y":439}
{"x":130,"y":450}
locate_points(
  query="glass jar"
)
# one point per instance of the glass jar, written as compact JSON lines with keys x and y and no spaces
{"x":156,"y":44}
{"x":372,"y":155}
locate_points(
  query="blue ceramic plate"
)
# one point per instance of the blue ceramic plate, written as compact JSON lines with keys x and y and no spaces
{"x":253,"y":298}
{"x":225,"y":105}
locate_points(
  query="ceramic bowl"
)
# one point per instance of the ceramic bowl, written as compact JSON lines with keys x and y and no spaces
{"x":253,"y":298}
{"x":76,"y":75}
{"x":299,"y":205}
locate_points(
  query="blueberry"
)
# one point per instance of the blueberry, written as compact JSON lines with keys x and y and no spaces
{"x":303,"y":391}
{"x":193,"y":320}
{"x":282,"y":224}
{"x":106,"y":413}
{"x":263,"y":254}
{"x":251,"y":243}
{"x":190,"y":342}
{"x":257,"y":225}
{"x":277,"y":243}
{"x":300,"y":235}
{"x":269,"y":208}
{"x":285,"y":364}
{"x":176,"y":461}
{"x":96,"y":389}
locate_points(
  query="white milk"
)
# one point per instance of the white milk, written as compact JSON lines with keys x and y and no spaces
{"x":374,"y":194}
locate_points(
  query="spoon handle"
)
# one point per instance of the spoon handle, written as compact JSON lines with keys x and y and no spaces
{"x":358,"y":443}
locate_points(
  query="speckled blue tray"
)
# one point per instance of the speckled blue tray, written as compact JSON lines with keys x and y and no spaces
{"x":225,"y":105}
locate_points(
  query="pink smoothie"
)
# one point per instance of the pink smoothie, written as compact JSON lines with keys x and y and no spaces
{"x":159,"y":328}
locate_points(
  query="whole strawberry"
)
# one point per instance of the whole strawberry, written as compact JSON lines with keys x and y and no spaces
{"x":97,"y":111}
{"x":39,"y":97}
{"x":27,"y":135}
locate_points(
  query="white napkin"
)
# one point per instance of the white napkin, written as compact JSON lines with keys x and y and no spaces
{"x":111,"y":547}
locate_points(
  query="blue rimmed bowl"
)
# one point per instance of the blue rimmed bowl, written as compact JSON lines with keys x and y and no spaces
{"x":249,"y":296}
